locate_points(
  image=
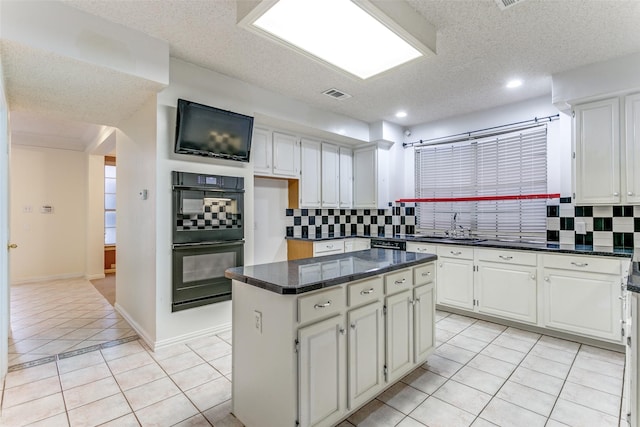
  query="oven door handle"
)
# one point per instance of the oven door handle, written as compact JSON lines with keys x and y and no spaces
{"x":218,"y":244}
{"x":208,"y":189}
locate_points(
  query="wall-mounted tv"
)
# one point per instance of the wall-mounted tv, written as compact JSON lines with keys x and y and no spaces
{"x":208,"y":131}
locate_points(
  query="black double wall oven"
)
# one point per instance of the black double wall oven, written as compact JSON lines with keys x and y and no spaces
{"x":208,"y":237}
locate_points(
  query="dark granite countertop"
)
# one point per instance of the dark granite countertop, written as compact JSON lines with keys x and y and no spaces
{"x":305,"y":275}
{"x":486,"y":243}
{"x":634,"y":277}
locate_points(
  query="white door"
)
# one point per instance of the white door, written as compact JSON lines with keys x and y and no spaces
{"x":322,"y":377}
{"x":261,"y":151}
{"x":365,"y":178}
{"x":423,"y":325}
{"x":366,"y":353}
{"x":597,"y":152}
{"x":286,"y":155}
{"x":507,"y":291}
{"x":310,"y":174}
{"x":399,"y":322}
{"x":4,"y":232}
{"x":632,"y":157}
{"x":346,"y":178}
{"x":330,"y":172}
{"x":455,"y":282}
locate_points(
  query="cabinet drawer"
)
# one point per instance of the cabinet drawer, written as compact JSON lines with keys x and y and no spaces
{"x":424,"y":274}
{"x":454,"y":251}
{"x":507,"y":256}
{"x":365,"y":291}
{"x":328,"y":247}
{"x":398,"y":281}
{"x":582,"y":263}
{"x":321,"y":304}
{"x":421,"y":248}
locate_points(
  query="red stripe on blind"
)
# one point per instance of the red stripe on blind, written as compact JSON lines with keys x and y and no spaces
{"x":482,"y":198}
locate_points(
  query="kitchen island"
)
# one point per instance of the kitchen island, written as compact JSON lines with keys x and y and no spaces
{"x":315,"y":339}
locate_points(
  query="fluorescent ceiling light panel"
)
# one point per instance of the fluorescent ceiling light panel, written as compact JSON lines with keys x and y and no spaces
{"x":512,"y":84}
{"x":342,"y":33}
{"x":401,"y":114}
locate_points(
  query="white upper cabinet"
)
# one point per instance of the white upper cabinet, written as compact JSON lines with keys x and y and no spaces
{"x":310,"y":154}
{"x":286,"y":155}
{"x":606,"y":151}
{"x":597,"y":152}
{"x":275,"y":154}
{"x":632,"y":148}
{"x":370,"y":178}
{"x":330,"y":175}
{"x":346,"y":178}
{"x":261,"y":151}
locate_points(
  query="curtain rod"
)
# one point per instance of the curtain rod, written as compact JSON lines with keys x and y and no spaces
{"x":465,"y":136}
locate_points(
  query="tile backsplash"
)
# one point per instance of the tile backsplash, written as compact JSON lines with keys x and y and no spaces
{"x":616,"y":227}
{"x":310,"y":223}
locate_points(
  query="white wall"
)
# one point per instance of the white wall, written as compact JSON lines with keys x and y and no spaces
{"x":136,"y":221}
{"x":50,"y":245}
{"x":94,"y":268}
{"x":558,"y":138}
{"x":271,"y":197}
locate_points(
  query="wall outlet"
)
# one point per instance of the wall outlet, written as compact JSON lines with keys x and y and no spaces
{"x":257,"y":318}
{"x":581,"y":227}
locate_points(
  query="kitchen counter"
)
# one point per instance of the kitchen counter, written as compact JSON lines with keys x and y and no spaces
{"x":305,"y":275}
{"x":486,"y":243}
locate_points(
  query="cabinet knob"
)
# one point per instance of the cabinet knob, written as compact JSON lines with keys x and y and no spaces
{"x":546,"y":279}
{"x":440,"y":265}
{"x":400,"y":282}
{"x":353,"y":326}
{"x":616,"y":194}
{"x":630,"y":193}
{"x":342,"y":331}
{"x":533,"y":277}
{"x":325,"y":305}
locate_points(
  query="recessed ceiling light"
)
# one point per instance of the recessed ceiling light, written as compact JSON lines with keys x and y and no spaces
{"x":401,"y":114}
{"x":514,"y":83}
{"x":355,"y":36}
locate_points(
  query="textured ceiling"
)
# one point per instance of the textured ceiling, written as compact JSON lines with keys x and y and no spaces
{"x":479,"y":48}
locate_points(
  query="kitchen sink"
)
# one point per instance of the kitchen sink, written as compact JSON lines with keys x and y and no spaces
{"x":446,"y":239}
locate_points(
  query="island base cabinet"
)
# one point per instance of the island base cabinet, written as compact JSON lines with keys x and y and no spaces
{"x":507,"y":292}
{"x":584,"y":303}
{"x":366,"y":353}
{"x":424,"y":329}
{"x":322,"y":375}
{"x":399,"y":331}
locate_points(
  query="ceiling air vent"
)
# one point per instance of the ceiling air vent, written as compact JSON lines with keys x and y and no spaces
{"x":336,"y":94}
{"x":504,"y":4}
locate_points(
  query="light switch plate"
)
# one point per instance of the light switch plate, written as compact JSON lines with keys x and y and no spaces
{"x":581,"y":227}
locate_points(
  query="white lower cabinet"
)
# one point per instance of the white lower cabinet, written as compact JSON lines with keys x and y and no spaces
{"x":314,"y":359}
{"x":455,"y":273}
{"x":322,"y":375}
{"x":366,"y":353}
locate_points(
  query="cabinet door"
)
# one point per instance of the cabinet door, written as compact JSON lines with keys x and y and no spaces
{"x":507,"y":291}
{"x":310,"y":174}
{"x":399,"y":335}
{"x":632,"y":109}
{"x":455,"y":282}
{"x":330,"y":172}
{"x":322,"y":377}
{"x":286,"y":155}
{"x":346,"y":178}
{"x":365,"y":177}
{"x":366,"y":353}
{"x":583,"y":303}
{"x":423,"y":325}
{"x":261,"y":151}
{"x":597,"y":152}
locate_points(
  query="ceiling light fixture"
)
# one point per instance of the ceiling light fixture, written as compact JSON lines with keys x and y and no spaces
{"x":362,"y":37}
{"x":512,"y":84}
{"x":401,"y":114}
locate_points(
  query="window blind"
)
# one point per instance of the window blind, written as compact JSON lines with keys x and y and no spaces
{"x":511,"y":164}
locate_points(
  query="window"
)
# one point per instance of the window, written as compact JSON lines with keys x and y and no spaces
{"x":110,"y":201}
{"x":493,"y":186}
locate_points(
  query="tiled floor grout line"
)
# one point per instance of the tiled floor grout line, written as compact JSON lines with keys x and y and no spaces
{"x":564,"y":382}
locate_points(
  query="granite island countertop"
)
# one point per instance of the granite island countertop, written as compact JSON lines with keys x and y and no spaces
{"x":309,"y":274}
{"x":485,"y":243}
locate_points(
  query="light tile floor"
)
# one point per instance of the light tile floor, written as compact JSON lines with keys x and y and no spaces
{"x":53,"y":317}
{"x":482,"y":374}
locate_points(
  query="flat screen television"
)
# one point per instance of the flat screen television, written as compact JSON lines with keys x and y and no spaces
{"x":211,"y":132}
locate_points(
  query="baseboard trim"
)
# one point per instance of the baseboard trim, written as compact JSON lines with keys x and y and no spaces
{"x":142,"y":333}
{"x":48,"y":278}
{"x":192,"y":335}
{"x":94,"y":276}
